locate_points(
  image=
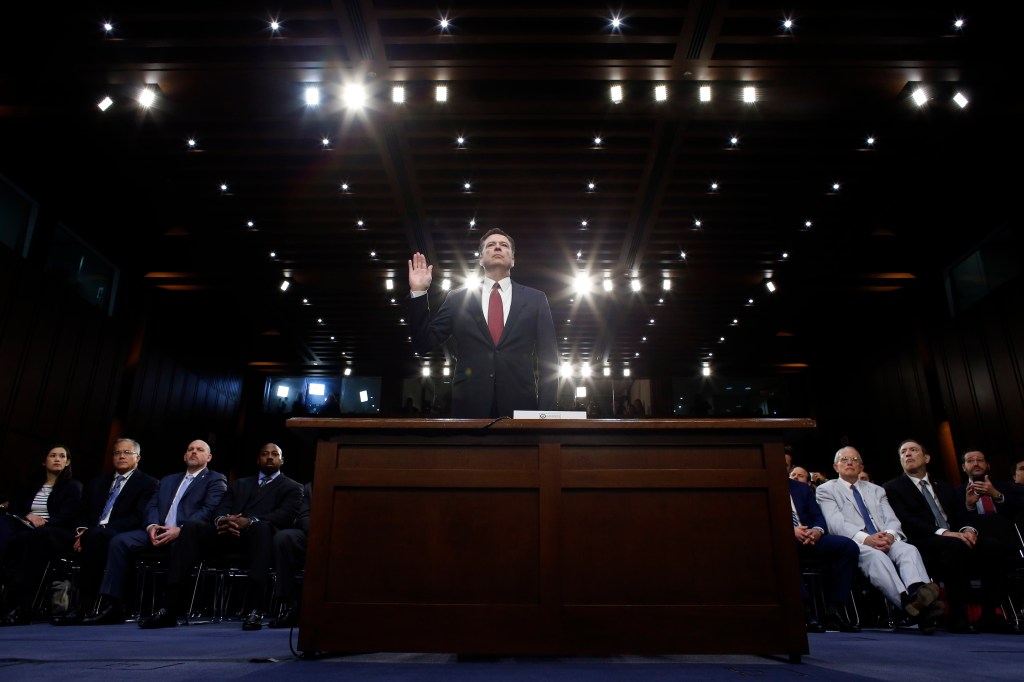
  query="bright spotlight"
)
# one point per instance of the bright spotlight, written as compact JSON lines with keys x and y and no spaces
{"x":582,"y":284}
{"x":354,"y":95}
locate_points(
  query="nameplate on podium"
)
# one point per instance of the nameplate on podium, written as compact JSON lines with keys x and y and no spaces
{"x":549,"y":414}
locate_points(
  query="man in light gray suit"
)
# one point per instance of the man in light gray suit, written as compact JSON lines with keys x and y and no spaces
{"x":860,"y":510}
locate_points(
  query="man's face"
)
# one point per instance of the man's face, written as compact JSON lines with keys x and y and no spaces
{"x":1018,"y":473}
{"x":975,"y":465}
{"x":913,"y":457}
{"x":497,"y":253}
{"x":198,"y":455}
{"x":270,"y":459}
{"x":863,"y":476}
{"x":789,"y":463}
{"x":849,"y":464}
{"x":800,"y":474}
{"x":125,"y":456}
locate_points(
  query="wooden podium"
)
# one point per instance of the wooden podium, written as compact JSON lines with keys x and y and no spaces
{"x":552,"y":537}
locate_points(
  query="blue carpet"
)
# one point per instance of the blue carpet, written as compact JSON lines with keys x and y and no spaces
{"x":221,"y":651}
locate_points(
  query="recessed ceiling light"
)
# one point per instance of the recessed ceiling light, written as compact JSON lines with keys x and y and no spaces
{"x":660,"y":93}
{"x":398,"y":94}
{"x":960,"y":100}
{"x":441,"y":93}
{"x":191,"y":143}
{"x":591,"y":186}
{"x":583,"y":223}
{"x":472,"y":222}
{"x":835,"y":186}
{"x":105,"y":103}
{"x":359,"y":222}
{"x":250,"y":224}
{"x":275,"y":25}
{"x":714,"y":186}
{"x":147,"y":97}
{"x":223,"y":187}
{"x":920,"y":97}
{"x":326,"y":141}
{"x":734,"y":140}
{"x":285,"y":284}
{"x":634,"y":284}
{"x":616,"y":93}
{"x":705,"y":93}
{"x":107,"y":26}
{"x":443,"y":24}
{"x":750,"y":94}
{"x":312,"y":96}
{"x":344,"y":187}
{"x":460,"y":140}
{"x":597,"y":141}
{"x":666,"y":284}
{"x":273,"y":254}
{"x":958,"y":24}
{"x":354,"y":95}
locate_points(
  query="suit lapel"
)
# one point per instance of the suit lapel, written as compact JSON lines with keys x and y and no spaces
{"x":514,"y":311}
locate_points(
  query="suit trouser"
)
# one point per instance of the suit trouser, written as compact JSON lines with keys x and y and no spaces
{"x":891,"y":572}
{"x":289,"y":558}
{"x":200,"y":539}
{"x":841,"y":555}
{"x":954,"y":562}
{"x":93,"y":560}
{"x":119,"y":557}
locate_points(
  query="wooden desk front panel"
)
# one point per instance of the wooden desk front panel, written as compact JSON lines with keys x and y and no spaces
{"x":524,"y":543}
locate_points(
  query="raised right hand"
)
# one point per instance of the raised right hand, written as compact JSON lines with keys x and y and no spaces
{"x":420,"y":274}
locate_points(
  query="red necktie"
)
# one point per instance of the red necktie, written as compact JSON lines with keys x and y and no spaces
{"x":495,"y":314}
{"x":988,"y":505}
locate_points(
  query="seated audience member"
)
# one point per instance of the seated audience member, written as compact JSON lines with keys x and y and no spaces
{"x":40,"y":522}
{"x":190,"y":496}
{"x":252,"y":511}
{"x":929,"y":512}
{"x":289,"y":559}
{"x":989,"y":508}
{"x":788,"y":453}
{"x":112,"y":503}
{"x":860,"y":511}
{"x":838,"y":553}
{"x":1018,"y":472}
{"x":800,"y":474}
{"x":864,"y":476}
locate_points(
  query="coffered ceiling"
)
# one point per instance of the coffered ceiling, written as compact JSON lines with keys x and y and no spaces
{"x":341,"y":196}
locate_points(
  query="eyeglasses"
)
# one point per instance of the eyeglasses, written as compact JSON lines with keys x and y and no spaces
{"x":123,"y":452}
{"x":849,"y":460}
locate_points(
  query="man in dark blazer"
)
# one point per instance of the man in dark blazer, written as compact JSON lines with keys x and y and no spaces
{"x":991,"y":506}
{"x":839,"y":553}
{"x":952,"y":549}
{"x":251,"y":512}
{"x":191,"y":495}
{"x":504,"y":362}
{"x":111,"y":504}
{"x":289,"y":558}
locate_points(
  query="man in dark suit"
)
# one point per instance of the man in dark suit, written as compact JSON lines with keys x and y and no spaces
{"x":191,"y":495}
{"x":929,"y":512}
{"x":838,"y":553}
{"x":112,"y":503}
{"x":506,"y":354}
{"x":289,"y":559}
{"x":252,"y":511}
{"x":991,"y":507}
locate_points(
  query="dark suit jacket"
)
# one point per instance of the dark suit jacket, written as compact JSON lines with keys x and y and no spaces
{"x":302,"y":520}
{"x":807,"y":505}
{"x":521,"y":371}
{"x":63,"y":504}
{"x":129,"y":507}
{"x":916,"y":516}
{"x":276,"y":503}
{"x":197,"y":503}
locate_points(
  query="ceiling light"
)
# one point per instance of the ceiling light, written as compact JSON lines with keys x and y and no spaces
{"x":960,"y":99}
{"x":585,"y":372}
{"x":625,"y":371}
{"x":305,"y":301}
{"x":582,"y":284}
{"x":607,"y":284}
{"x":787,"y":24}
{"x":705,"y":370}
{"x":425,"y":371}
{"x":606,"y":371}
{"x":581,"y":391}
{"x":920,"y":97}
{"x":750,"y":301}
{"x":317,"y":389}
{"x":682,"y":254}
{"x":616,"y":93}
{"x":312,"y":96}
{"x":750,"y":94}
{"x":807,"y":224}
{"x":285,"y":284}
{"x":466,"y":186}
{"x":223,"y":187}
{"x":565,"y":370}
{"x":273,"y":254}
{"x":354,"y":95}
{"x":344,"y":187}
{"x":660,"y":93}
{"x":348,"y":371}
{"x":835,"y":186}
{"x":359,"y":223}
{"x":472,"y":222}
{"x":441,"y":93}
{"x":616,"y":23}
{"x":634,"y":284}
{"x":957,"y":25}
{"x":398,"y":94}
{"x":583,"y":223}
{"x":389,"y":284}
{"x":446,"y":371}
{"x":597,"y":141}
{"x":326,"y":141}
{"x":373,"y":254}
{"x":250,"y":224}
{"x":705,"y":93}
{"x":191,"y":143}
{"x":714,"y":186}
{"x":443,"y":24}
{"x":446,"y":284}
{"x":147,"y":97}
{"x":319,"y":320}
{"x":107,"y":26}
{"x":591,"y":186}
{"x":666,"y":284}
{"x":275,"y":26}
{"x":770,"y":286}
{"x":105,"y":103}
{"x":697,"y":223}
{"x":282,"y":391}
{"x":734,"y":141}
{"x":460,"y":140}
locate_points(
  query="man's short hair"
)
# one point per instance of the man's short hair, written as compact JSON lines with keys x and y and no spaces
{"x":835,"y":460}
{"x":494,"y":231}
{"x":135,"y":444}
{"x":914,"y":440}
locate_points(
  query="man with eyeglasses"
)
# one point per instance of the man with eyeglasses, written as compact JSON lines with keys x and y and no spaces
{"x":112,"y":503}
{"x":990,"y":506}
{"x":860,"y":511}
{"x":935,"y":522}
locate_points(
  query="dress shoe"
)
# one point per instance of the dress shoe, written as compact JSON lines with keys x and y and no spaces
{"x":17,"y":616}
{"x":919,"y":596}
{"x":111,"y":614}
{"x":161,"y":619}
{"x":69,"y":617}
{"x":289,"y":618}
{"x":254,"y":621}
{"x":929,"y":619}
{"x":839,"y":621}
{"x":813,"y":625}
